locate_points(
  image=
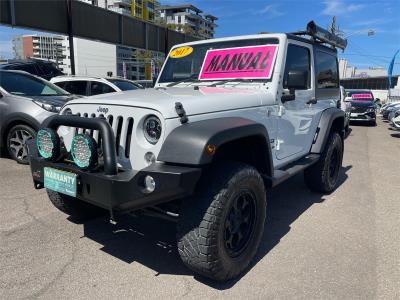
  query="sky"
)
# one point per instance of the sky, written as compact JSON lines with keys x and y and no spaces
{"x":354,"y":18}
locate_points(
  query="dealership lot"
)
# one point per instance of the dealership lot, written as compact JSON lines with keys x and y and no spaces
{"x":345,"y":245}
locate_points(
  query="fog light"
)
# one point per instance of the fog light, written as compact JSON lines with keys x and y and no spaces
{"x":48,"y":143}
{"x":84,"y":151}
{"x":150,"y":158}
{"x":149,"y":184}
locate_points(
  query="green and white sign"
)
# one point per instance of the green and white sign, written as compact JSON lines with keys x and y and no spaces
{"x":60,"y":181}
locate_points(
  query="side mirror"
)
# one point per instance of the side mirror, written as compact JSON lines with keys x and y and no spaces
{"x":347,"y":99}
{"x":295,"y":80}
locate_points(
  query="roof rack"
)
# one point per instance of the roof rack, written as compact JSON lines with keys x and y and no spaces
{"x":322,"y":35}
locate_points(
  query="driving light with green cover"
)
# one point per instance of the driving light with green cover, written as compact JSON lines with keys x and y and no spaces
{"x":48,"y":143}
{"x":84,"y":151}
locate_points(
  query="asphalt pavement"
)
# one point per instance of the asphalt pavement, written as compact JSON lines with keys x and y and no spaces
{"x":342,"y":246}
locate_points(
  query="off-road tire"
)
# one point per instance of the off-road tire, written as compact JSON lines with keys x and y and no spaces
{"x":76,"y":209}
{"x":202,"y":229}
{"x":26,"y":130}
{"x":323,"y":176}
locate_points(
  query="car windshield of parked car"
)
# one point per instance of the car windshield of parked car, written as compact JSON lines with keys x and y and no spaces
{"x":26,"y":85}
{"x":360,"y":95}
{"x":124,"y":85}
{"x":187,"y":66}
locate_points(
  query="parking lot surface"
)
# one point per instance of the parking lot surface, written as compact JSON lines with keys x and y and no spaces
{"x":341,"y":246}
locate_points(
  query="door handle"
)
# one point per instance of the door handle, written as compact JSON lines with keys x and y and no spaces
{"x":313,"y":100}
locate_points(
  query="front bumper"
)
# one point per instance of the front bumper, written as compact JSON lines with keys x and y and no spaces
{"x":367,"y":117}
{"x":109,"y":187}
{"x":124,"y":191}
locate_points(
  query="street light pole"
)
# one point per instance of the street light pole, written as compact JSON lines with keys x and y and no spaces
{"x":70,"y":36}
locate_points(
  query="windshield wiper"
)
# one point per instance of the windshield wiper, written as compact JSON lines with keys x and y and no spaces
{"x":192,"y":78}
{"x":231,"y":80}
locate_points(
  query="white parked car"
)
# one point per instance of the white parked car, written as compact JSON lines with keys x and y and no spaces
{"x":228,"y":118}
{"x":345,"y":105}
{"x":90,"y":86}
{"x":396,"y":120}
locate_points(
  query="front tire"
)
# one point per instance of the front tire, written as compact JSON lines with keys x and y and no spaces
{"x":323,"y":176}
{"x":17,"y":138}
{"x":220,"y":229}
{"x":75,"y":208}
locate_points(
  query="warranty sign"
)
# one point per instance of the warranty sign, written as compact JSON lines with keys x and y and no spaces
{"x":255,"y":62}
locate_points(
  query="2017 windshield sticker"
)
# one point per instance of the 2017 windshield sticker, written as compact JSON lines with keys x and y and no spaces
{"x":361,"y":96}
{"x":181,"y":52}
{"x":255,"y":62}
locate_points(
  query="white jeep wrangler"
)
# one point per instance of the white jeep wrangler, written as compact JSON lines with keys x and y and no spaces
{"x":228,"y":118}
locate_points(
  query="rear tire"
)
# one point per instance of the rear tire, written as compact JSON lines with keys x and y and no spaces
{"x":323,"y":176}
{"x":75,"y":208}
{"x":16,"y":142}
{"x":220,"y":228}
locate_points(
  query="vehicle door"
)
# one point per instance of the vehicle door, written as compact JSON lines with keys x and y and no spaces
{"x":296,"y":126}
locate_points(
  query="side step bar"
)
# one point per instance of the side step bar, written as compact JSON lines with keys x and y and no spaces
{"x":292,"y":169}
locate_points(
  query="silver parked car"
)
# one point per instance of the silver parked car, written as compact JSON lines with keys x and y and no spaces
{"x":25,"y":101}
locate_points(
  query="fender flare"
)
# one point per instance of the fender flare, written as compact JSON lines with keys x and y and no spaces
{"x":17,"y":117}
{"x":187,"y":143}
{"x":328,"y":118}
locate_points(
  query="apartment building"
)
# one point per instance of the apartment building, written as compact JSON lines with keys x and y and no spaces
{"x":142,"y":9}
{"x":189,"y":19}
{"x":48,"y":47}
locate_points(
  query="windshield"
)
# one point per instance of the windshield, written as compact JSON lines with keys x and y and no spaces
{"x":26,"y":85}
{"x":189,"y":65}
{"x":360,"y":95}
{"x":124,"y":85}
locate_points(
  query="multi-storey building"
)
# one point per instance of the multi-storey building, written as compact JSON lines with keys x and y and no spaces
{"x":142,"y":9}
{"x":189,"y":19}
{"x":54,"y":48}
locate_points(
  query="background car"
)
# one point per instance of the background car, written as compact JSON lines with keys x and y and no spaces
{"x":387,"y":109}
{"x":90,"y":86}
{"x":393,"y":112}
{"x":396,"y":120}
{"x":25,"y":102}
{"x":345,"y":105}
{"x":363,"y":107}
{"x":41,"y":68}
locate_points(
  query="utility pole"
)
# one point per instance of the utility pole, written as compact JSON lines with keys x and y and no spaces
{"x":70,"y":36}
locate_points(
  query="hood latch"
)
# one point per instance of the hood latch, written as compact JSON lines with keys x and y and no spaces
{"x":181,"y":112}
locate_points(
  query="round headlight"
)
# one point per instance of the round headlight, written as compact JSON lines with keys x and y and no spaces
{"x":84,"y":151}
{"x":152,"y":129}
{"x":48,"y":143}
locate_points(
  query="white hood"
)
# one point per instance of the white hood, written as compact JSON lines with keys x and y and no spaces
{"x":195,"y":101}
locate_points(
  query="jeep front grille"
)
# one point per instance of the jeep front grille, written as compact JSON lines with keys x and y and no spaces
{"x":122,"y":128}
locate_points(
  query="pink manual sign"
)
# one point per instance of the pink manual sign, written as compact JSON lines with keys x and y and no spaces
{"x":255,"y":62}
{"x":361,"y":96}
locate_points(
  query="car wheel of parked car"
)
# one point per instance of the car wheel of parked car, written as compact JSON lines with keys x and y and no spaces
{"x":220,"y":228}
{"x":75,"y":208}
{"x":16,"y":142}
{"x":323,"y":176}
